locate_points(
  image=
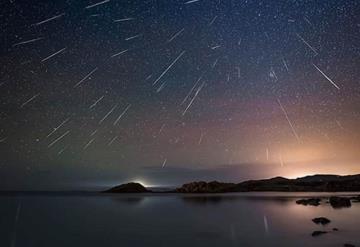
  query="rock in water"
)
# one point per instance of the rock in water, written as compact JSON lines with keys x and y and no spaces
{"x":128,"y":188}
{"x":321,"y":220}
{"x":339,"y":202}
{"x":318,"y":233}
{"x":311,"y":202}
{"x":355,"y":198}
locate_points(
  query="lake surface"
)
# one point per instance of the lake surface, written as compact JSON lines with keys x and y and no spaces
{"x":239,"y":219}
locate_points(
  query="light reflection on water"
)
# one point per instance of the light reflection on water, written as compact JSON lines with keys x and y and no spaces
{"x":239,"y":219}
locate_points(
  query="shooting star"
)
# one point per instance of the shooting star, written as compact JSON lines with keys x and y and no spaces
{"x":191,"y":1}
{"x":288,"y":119}
{"x":161,"y":128}
{"x":88,"y":144}
{"x":169,"y":67}
{"x":29,"y":100}
{"x":58,"y":127}
{"x":61,"y":151}
{"x":96,"y":4}
{"x":175,"y":35}
{"x":107,"y":114}
{"x":161,"y":87}
{"x":124,"y":19}
{"x":201,"y":138}
{"x":215,"y":47}
{"x":272,"y":74}
{"x":339,"y":124}
{"x":192,"y":100}
{"x":212,"y":21}
{"x":133,"y":37}
{"x":59,"y":138}
{"x":119,"y":53}
{"x":54,"y":54}
{"x":49,"y":19}
{"x":308,"y":21}
{"x":307,"y":44}
{"x":285,"y":64}
{"x":192,"y":89}
{"x":96,"y":102}
{"x":112,"y":140}
{"x":86,"y":77}
{"x":214,"y":64}
{"x":94,"y":132}
{"x":164,"y":163}
{"x":333,"y":83}
{"x":122,"y":114}
{"x":27,"y":41}
{"x":148,"y":77}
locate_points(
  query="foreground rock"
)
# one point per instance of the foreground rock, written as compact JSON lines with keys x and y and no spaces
{"x":318,"y":233}
{"x":321,"y":220}
{"x":311,"y":202}
{"x":340,"y":202}
{"x":128,"y":188}
{"x":349,"y":245}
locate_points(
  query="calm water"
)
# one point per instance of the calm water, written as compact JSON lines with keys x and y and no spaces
{"x":251,"y":219}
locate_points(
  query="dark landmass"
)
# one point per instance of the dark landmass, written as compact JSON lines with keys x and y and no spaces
{"x":316,"y":183}
{"x":128,"y":188}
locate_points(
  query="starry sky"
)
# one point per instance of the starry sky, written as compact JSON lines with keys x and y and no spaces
{"x":96,"y":93}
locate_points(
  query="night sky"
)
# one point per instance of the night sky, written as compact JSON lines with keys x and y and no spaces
{"x":96,"y":93}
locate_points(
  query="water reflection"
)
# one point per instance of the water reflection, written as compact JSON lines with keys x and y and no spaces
{"x":203,"y":200}
{"x":174,"y":220}
{"x":217,"y":199}
{"x":133,"y":200}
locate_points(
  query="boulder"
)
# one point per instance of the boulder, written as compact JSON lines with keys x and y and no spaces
{"x":340,"y":202}
{"x":321,"y":220}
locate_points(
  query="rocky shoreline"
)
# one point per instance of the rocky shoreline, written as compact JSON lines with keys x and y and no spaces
{"x":316,"y":183}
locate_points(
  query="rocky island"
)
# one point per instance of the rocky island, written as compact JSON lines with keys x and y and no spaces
{"x":128,"y":188}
